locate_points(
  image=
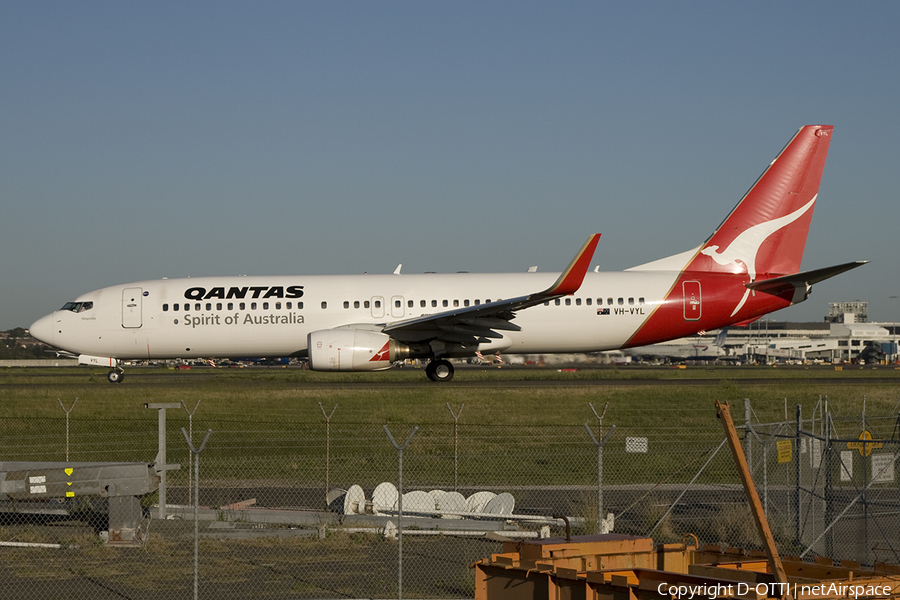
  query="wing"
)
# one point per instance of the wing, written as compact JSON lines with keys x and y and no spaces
{"x":479,"y":324}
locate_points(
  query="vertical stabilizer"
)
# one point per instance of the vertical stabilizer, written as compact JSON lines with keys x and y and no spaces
{"x":766,"y":231}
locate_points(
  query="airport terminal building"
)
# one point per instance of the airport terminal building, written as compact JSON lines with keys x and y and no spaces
{"x":845,"y":336}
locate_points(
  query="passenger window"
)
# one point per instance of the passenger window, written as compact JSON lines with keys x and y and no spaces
{"x":422,"y":303}
{"x":434,"y":303}
{"x":175,"y":307}
{"x":410,"y":304}
{"x":445,"y":303}
{"x":278,"y":306}
{"x":556,"y":302}
{"x":197,"y":306}
{"x":577,"y":301}
{"x":346,"y":304}
{"x":265,"y":306}
{"x":621,"y":301}
{"x":165,"y":308}
{"x":631,"y":301}
{"x":231,"y":306}
{"x":587,"y":301}
{"x":568,"y":302}
{"x":465,"y":302}
{"x":377,"y":304}
{"x":356,"y":304}
{"x":456,"y":303}
{"x":243,"y":306}
{"x":366,"y":304}
{"x":288,"y":305}
{"x":609,"y":301}
{"x":253,"y":306}
{"x":324,"y":304}
{"x":398,"y":304}
{"x":299,"y":306}
{"x":218,"y":306}
{"x":208,"y":306}
{"x":477,"y":302}
{"x":187,"y":307}
{"x":640,"y":300}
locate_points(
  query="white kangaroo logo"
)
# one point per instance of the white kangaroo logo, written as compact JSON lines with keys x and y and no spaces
{"x":744,"y":248}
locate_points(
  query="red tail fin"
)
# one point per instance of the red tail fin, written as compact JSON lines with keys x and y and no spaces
{"x":766,"y":231}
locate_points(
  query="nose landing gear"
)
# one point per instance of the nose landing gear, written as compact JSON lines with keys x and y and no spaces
{"x":115,"y":376}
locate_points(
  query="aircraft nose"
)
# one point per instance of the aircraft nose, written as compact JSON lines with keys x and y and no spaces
{"x":42,"y":329}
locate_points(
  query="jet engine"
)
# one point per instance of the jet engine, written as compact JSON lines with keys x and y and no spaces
{"x":353,"y":350}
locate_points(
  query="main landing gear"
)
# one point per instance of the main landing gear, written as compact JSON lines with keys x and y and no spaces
{"x":439,"y":370}
{"x":115,"y":376}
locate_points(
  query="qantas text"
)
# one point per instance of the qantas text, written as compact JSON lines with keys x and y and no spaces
{"x":239,"y":293}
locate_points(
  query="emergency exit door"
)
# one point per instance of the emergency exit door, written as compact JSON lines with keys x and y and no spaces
{"x":692,"y":302}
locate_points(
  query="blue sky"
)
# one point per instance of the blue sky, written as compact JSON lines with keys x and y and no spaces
{"x":167,"y":139}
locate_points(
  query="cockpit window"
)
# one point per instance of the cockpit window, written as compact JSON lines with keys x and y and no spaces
{"x":78,"y":307}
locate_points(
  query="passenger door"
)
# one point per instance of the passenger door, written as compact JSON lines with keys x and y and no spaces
{"x":131,"y":307}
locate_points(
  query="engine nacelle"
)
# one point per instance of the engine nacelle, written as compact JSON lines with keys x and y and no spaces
{"x":353,"y":350}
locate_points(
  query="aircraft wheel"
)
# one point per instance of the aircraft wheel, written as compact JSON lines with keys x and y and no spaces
{"x":439,"y":371}
{"x":115,"y":376}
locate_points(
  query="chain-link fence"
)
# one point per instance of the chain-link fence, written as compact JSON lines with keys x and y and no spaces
{"x":829,"y":483}
{"x":287,"y":508}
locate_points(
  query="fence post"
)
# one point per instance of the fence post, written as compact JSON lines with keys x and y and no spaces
{"x":764,"y":445}
{"x":67,"y":423}
{"x":161,"y":466}
{"x":829,"y":484}
{"x":748,"y":441}
{"x":599,"y":471}
{"x":797,"y":472}
{"x":865,"y":503}
{"x":400,"y":504}
{"x":327,"y":447}
{"x":190,"y":414}
{"x":196,"y":452}
{"x":455,"y":442}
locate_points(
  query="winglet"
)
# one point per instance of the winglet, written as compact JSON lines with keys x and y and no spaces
{"x":570,"y":279}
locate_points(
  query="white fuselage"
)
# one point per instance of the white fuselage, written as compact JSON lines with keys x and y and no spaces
{"x":206,"y":317}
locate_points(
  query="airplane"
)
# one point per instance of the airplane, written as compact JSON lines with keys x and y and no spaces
{"x":687,"y":349}
{"x":747,"y":268}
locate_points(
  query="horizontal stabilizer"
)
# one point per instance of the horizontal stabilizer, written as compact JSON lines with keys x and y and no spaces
{"x":777,"y":285}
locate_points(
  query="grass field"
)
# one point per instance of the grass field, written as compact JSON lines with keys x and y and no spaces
{"x":517,"y":425}
{"x":492,"y":396}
